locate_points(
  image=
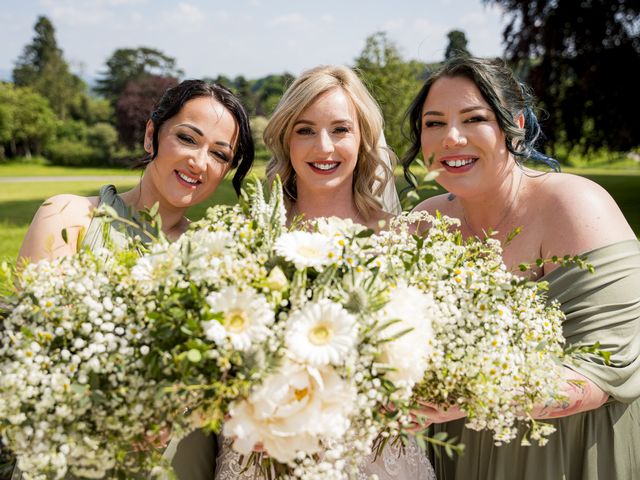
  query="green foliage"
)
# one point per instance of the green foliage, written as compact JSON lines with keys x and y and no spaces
{"x":258,"y":124}
{"x":43,"y":68}
{"x":26,"y":120}
{"x":392,"y":81}
{"x":457,"y":44}
{"x":577,"y":57}
{"x":79,"y":145}
{"x":72,"y":153}
{"x":127,"y":64}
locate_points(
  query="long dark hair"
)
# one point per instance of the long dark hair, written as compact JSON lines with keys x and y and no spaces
{"x":172,"y":102}
{"x":506,"y":96}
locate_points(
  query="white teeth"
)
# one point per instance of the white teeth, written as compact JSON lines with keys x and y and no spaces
{"x":190,"y":180}
{"x":459,"y":163}
{"x":325,"y":166}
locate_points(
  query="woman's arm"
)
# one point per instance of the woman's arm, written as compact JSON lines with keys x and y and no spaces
{"x":56,"y":228}
{"x":581,"y":395}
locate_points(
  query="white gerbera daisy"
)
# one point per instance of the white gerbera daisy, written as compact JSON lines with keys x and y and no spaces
{"x":321,"y":333}
{"x":306,"y":249}
{"x":246,"y":317}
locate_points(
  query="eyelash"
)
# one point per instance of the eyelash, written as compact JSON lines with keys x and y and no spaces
{"x":309,"y":131}
{"x":189,"y":140}
{"x":186,"y":138}
{"x":437,"y":123}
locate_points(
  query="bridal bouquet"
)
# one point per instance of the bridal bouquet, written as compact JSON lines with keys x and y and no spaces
{"x":292,"y":340}
{"x":74,"y":393}
{"x":496,"y":341}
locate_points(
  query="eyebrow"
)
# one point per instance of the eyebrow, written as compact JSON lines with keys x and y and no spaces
{"x":309,"y":122}
{"x":464,"y":110}
{"x":199,"y":132}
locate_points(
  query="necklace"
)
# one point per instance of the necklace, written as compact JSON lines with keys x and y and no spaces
{"x":504,"y":215}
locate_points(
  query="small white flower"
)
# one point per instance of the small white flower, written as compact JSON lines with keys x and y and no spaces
{"x":321,"y":333}
{"x":306,"y":249}
{"x":246,"y":317}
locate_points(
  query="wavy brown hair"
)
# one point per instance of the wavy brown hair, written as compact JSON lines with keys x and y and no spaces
{"x":371,"y":172}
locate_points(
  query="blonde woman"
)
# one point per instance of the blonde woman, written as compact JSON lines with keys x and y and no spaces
{"x":325,"y":138}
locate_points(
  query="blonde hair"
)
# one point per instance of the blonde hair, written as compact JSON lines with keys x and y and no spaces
{"x":371,"y":172}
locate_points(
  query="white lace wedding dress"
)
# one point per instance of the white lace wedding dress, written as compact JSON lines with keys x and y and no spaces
{"x":409,"y":464}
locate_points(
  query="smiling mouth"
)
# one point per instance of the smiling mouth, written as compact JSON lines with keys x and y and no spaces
{"x":459,"y":162}
{"x":324,"y":166}
{"x":187,"y":179}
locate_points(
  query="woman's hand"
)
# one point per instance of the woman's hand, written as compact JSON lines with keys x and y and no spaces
{"x":430,"y":413}
{"x":581,"y":395}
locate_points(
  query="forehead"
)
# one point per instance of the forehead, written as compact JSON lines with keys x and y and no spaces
{"x":332,"y":102}
{"x":204,"y":109}
{"x":454,"y":91}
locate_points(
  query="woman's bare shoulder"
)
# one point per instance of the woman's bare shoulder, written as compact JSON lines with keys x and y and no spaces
{"x":580,"y":215}
{"x":439,"y":203}
{"x":56,"y":226}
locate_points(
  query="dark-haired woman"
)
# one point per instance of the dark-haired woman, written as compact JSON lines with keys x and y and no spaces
{"x":197,"y":133}
{"x":473,"y":123}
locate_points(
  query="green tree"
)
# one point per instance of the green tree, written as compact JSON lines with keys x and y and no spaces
{"x":578,"y":57}
{"x":457,"y":44}
{"x":268,"y":91}
{"x":26,"y":120}
{"x":43,"y":68}
{"x":133,"y":64}
{"x":135,"y":105}
{"x":392,"y":81}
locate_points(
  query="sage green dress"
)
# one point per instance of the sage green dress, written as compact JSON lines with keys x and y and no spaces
{"x":601,"y":444}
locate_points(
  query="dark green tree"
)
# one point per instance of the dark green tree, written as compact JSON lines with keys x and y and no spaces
{"x":43,"y":68}
{"x":457,"y":44}
{"x":579,"y":58}
{"x":135,"y":105}
{"x":392,"y":81}
{"x":127,"y":64}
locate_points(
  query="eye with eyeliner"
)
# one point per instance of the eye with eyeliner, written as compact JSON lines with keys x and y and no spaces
{"x":305,"y":131}
{"x":186,"y":138}
{"x":221,"y":155}
{"x":476,"y":118}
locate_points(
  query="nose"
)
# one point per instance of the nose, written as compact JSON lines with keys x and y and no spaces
{"x":324,"y":142}
{"x":454,"y":138}
{"x":198,"y":161}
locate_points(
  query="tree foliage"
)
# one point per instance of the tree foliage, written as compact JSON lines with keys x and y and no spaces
{"x":392,"y":81}
{"x":134,"y":64}
{"x":135,"y":105}
{"x":579,"y":58}
{"x":43,"y":68}
{"x":26,"y":120}
{"x":457,"y":45}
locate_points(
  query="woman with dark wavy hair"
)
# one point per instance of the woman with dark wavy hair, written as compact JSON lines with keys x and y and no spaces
{"x":197,"y":133}
{"x":474,"y":124}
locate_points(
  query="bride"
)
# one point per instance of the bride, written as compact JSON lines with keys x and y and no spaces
{"x":325,"y":138}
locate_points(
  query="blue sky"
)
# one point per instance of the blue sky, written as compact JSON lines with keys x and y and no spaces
{"x":249,"y":37}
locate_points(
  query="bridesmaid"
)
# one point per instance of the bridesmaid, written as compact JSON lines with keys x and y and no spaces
{"x":473,"y":119}
{"x":324,"y":136}
{"x":197,"y":133}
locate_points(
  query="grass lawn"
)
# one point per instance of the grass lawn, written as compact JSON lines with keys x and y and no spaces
{"x":19,"y":201}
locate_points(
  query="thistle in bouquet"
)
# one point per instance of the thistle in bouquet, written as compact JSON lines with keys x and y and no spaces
{"x":496,"y":340}
{"x":75,"y":396}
